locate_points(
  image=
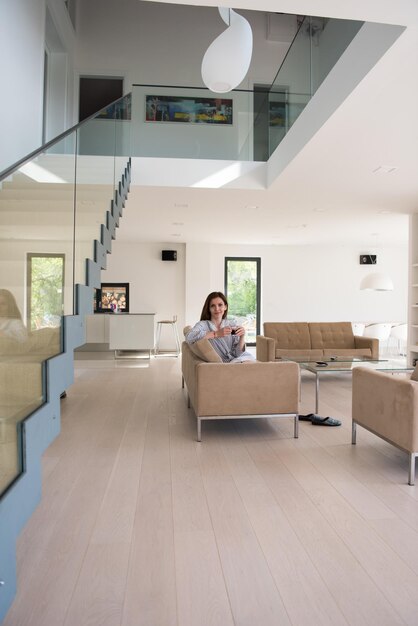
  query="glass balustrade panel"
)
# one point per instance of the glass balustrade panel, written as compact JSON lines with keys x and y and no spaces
{"x":291,"y":88}
{"x":191,"y":123}
{"x":36,"y":287}
{"x":318,"y":45}
{"x":329,"y":39}
{"x":123,"y":114}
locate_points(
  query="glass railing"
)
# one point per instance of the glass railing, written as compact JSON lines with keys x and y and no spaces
{"x":318,"y":45}
{"x":244,"y":125}
{"x":52,"y":205}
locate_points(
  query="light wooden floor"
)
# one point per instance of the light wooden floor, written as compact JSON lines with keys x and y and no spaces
{"x":140,"y":525}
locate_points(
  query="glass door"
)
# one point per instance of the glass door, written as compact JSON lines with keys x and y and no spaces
{"x":242,"y":289}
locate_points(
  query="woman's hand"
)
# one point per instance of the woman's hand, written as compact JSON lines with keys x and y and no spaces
{"x":239,"y":331}
{"x":223,"y":332}
{"x":216,"y":334}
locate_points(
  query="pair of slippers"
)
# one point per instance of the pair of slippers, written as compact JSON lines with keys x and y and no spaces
{"x":317,"y":420}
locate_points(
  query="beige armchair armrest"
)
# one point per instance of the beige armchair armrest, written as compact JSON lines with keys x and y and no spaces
{"x":368,"y":342}
{"x":387,"y":405}
{"x":247,"y":388}
{"x":265,"y":348}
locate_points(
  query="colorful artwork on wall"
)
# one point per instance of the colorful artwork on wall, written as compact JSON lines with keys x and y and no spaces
{"x":189,"y":110}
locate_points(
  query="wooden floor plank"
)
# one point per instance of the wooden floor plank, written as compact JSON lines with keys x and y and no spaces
{"x":201,"y":591}
{"x":294,"y":573}
{"x":397,"y":582}
{"x":141,"y":525}
{"x":353,"y":590}
{"x":252,"y":591}
{"x":150,"y":596}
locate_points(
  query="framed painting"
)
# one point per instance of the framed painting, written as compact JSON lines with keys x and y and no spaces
{"x":112,"y":297}
{"x":189,"y":110}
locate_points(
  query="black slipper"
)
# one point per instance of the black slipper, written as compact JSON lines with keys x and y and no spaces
{"x":306,"y":418}
{"x":325,"y":421}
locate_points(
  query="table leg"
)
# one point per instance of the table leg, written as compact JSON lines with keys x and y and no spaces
{"x":317,"y":394}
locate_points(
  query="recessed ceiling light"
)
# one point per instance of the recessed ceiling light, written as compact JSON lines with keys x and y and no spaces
{"x":181,"y":205}
{"x":252,"y":206}
{"x":385,"y":169}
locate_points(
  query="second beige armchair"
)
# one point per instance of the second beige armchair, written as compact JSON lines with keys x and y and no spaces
{"x":387,"y":406}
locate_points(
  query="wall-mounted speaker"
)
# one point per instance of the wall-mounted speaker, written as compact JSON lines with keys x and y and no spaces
{"x":368,"y":259}
{"x":169,"y":255}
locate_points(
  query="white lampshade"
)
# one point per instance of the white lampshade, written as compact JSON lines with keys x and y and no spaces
{"x":377,"y":282}
{"x":228,"y":57}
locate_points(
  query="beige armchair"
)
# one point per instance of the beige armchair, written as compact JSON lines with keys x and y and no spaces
{"x":387,"y":406}
{"x":219,"y":390}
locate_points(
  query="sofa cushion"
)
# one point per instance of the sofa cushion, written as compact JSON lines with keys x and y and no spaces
{"x":289,"y":335}
{"x":204,"y":350}
{"x":331,"y":335}
{"x":348,"y":352}
{"x":298,"y":353}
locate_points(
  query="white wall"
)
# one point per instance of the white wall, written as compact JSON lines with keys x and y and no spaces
{"x":22,"y":44}
{"x":21,"y":68}
{"x":310,"y":283}
{"x":156,"y":286}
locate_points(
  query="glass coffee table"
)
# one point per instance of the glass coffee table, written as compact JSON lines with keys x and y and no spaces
{"x":334,"y":365}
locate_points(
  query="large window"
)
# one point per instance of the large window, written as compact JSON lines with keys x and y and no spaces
{"x":45,"y":294}
{"x":242,"y":289}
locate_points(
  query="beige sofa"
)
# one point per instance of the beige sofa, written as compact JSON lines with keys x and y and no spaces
{"x":219,"y":390}
{"x":313,"y":339}
{"x":387,"y":406}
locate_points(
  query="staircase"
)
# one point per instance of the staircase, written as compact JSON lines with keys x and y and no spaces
{"x":50,"y":207}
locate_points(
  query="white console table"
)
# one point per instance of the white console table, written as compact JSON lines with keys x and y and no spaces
{"x":131,"y":331}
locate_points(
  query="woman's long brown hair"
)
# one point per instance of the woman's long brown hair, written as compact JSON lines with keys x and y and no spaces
{"x":206,"y":307}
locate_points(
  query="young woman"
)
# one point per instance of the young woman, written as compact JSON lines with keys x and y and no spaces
{"x":226,"y":336}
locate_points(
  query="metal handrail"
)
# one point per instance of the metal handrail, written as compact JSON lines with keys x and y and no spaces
{"x":12,"y":168}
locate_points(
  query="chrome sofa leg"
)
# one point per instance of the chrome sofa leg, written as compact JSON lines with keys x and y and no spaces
{"x":296,"y":426}
{"x":199,"y":429}
{"x":353,"y":432}
{"x":411,"y":477}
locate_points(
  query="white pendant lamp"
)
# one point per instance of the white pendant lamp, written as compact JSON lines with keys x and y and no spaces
{"x":228,"y":57}
{"x":377,"y":282}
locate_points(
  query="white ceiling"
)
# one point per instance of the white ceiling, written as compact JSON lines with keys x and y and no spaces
{"x":329,"y":193}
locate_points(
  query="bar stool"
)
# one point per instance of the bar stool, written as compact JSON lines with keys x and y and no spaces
{"x":173,"y":324}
